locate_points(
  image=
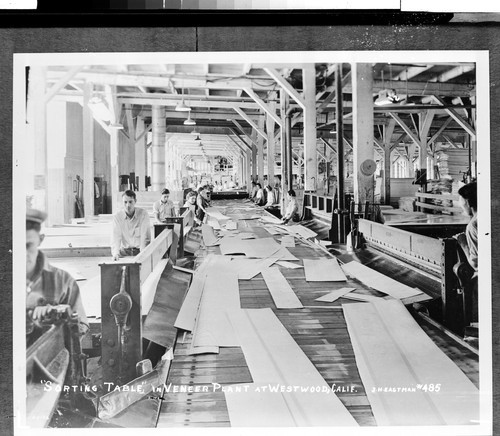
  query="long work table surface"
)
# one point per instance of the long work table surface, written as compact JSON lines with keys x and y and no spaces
{"x":319,"y":329}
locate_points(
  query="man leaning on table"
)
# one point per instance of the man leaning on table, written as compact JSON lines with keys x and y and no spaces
{"x":131,"y":228}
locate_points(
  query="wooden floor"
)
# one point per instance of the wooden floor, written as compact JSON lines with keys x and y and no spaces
{"x":319,"y":329}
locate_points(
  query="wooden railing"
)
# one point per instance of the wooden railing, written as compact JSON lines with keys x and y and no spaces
{"x":422,"y":204}
{"x":318,"y":203}
{"x":185,"y":221}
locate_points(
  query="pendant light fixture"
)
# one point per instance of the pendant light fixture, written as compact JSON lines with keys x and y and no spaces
{"x":189,"y":121}
{"x":181,"y":106}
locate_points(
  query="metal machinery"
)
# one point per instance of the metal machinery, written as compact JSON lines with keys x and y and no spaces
{"x":421,"y":255}
{"x":140,"y":298}
{"x":432,"y":255}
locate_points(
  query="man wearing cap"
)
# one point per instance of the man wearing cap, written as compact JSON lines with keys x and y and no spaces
{"x":164,"y":207}
{"x":131,"y":228}
{"x":46,"y":285}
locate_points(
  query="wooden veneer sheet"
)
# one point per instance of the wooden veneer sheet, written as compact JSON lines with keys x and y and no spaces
{"x":187,"y":314}
{"x":299,"y":396}
{"x":379,"y":281}
{"x":209,"y":238}
{"x":220,"y":295}
{"x":407,"y":378}
{"x":283,"y":295}
{"x":323,"y":270}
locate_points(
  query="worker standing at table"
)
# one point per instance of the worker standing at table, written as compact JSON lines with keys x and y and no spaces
{"x":164,"y":207}
{"x":131,"y":228}
{"x":46,"y":285}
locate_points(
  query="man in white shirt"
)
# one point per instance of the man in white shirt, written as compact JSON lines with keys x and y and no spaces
{"x":131,"y":228}
{"x":164,"y":207}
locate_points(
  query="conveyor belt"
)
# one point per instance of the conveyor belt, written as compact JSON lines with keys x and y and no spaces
{"x":319,"y":329}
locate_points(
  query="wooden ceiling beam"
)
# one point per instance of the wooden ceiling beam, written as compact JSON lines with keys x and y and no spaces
{"x":239,"y":138}
{"x":264,"y":106}
{"x":440,"y":130}
{"x":250,"y":121}
{"x":411,"y":72}
{"x":291,"y":91}
{"x":167,"y":101}
{"x":408,"y":131}
{"x":453,"y":73}
{"x":240,"y":128}
{"x":62,"y":82}
{"x":460,"y":121}
{"x":165,"y":81}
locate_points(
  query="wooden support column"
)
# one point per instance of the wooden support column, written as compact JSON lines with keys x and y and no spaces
{"x":270,"y":138}
{"x":114,"y":179}
{"x":310,"y":155}
{"x":411,"y":152}
{"x":169,"y":165}
{"x":37,"y":86}
{"x":285,"y":159}
{"x":88,"y":153}
{"x":260,"y":152}
{"x":59,"y":188}
{"x":242,"y":166}
{"x":158,"y":148}
{"x":386,"y":187}
{"x":254,"y":156}
{"x":114,"y":145}
{"x":140,"y":154}
{"x":473,"y":139}
{"x":248,"y":179}
{"x":424,"y":127}
{"x":362,"y":107}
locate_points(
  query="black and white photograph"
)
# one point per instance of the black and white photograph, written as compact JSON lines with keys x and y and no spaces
{"x":252,"y":240}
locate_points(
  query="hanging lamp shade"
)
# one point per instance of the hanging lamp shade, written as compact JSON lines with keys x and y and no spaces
{"x":198,"y":138}
{"x":181,"y":106}
{"x":189,"y":121}
{"x":195,"y":132}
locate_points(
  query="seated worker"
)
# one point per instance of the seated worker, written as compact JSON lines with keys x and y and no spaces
{"x":292,"y":208}
{"x":131,"y":228}
{"x":202,"y":202}
{"x":164,"y":207}
{"x":254,"y":191}
{"x":191,"y":205}
{"x":468,"y":240}
{"x":259,"y":196}
{"x":46,"y":285}
{"x":270,"y":196}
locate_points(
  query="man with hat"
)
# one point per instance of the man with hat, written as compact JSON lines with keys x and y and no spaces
{"x":46,"y":285}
